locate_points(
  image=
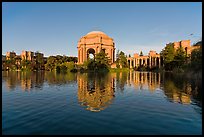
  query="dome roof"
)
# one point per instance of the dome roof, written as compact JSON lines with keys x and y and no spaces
{"x":96,"y":32}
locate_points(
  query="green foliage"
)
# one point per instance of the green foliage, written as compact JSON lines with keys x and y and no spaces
{"x":121,"y":59}
{"x":141,"y":54}
{"x":196,"y":59}
{"x":100,"y":62}
{"x":61,"y":61}
{"x":177,"y":60}
{"x":180,"y":57}
{"x":168,"y":55}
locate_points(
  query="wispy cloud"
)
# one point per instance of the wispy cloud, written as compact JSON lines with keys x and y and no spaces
{"x":161,"y":31}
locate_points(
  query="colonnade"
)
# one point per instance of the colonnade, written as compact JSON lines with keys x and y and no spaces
{"x":150,"y":61}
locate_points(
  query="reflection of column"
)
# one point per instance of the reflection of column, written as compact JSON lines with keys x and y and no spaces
{"x":130,"y":77}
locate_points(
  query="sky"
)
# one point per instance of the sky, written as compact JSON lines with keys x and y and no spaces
{"x":55,"y":28}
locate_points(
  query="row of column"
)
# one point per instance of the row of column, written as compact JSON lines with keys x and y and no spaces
{"x":152,"y":62}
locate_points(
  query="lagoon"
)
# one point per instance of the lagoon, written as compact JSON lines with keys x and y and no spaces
{"x":141,"y":103}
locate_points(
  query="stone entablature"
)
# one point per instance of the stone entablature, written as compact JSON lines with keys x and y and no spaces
{"x":93,"y":43}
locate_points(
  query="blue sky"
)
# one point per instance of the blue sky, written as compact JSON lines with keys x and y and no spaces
{"x":55,"y":28}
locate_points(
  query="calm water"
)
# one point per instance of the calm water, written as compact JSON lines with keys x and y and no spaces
{"x":113,"y":103}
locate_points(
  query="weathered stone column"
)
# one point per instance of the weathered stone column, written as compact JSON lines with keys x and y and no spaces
{"x":111,"y":55}
{"x":133,"y":62}
{"x":79,"y":56}
{"x":150,"y":61}
{"x":82,"y":55}
{"x":145,"y":61}
{"x":85,"y":55}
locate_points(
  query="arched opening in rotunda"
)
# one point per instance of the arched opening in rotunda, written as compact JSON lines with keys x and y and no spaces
{"x":90,"y":53}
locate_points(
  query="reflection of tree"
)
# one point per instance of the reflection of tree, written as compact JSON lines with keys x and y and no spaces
{"x":121,"y":80}
{"x":11,"y":78}
{"x":180,"y":89}
{"x":30,"y":80}
{"x":95,"y":91}
{"x":59,"y":78}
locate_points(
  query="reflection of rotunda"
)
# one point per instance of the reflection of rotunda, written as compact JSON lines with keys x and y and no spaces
{"x":92,"y":43}
{"x":95,"y":93}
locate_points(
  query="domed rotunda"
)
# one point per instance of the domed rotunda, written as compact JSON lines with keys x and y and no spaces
{"x":92,"y":43}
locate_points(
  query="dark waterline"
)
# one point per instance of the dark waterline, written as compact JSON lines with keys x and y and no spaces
{"x":112,"y":103}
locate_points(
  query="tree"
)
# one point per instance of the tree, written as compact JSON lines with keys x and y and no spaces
{"x":123,"y":60}
{"x":102,"y":60}
{"x":168,"y":56}
{"x":196,"y":58}
{"x":117,"y":59}
{"x":51,"y":63}
{"x":180,"y":57}
{"x":141,"y":54}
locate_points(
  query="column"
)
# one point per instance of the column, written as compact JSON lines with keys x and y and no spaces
{"x":84,"y":49}
{"x":146,"y":62}
{"x":136,"y":62}
{"x":159,"y":63}
{"x":79,"y":56}
{"x":133,"y":62}
{"x":130,"y":63}
{"x":82,"y":55}
{"x":111,"y":55}
{"x":150,"y":62}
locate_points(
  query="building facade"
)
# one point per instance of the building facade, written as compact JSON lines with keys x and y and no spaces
{"x":10,"y":55}
{"x":27,"y":55}
{"x":186,"y":45}
{"x":93,"y":43}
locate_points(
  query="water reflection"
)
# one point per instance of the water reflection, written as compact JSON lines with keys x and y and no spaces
{"x":97,"y":91}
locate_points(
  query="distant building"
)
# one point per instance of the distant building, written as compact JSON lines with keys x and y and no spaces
{"x":186,"y":45}
{"x":27,"y":55}
{"x":10,"y":55}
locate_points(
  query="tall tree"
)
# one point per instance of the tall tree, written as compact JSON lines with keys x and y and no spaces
{"x":168,"y":56}
{"x":102,"y":60}
{"x":123,"y":60}
{"x":180,"y":57}
{"x":141,"y":54}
